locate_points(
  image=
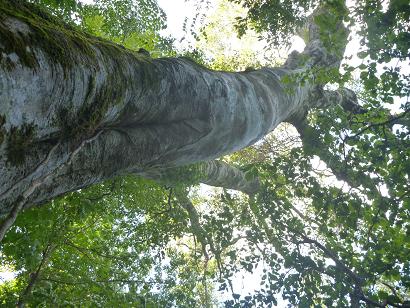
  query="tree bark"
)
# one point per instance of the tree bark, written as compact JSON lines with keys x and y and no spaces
{"x":76,"y":110}
{"x":213,"y":173}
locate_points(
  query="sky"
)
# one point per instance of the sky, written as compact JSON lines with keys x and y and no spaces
{"x":177,"y":11}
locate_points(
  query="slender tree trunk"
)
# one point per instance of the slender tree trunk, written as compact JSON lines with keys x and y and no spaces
{"x":76,"y":110}
{"x":35,"y":275}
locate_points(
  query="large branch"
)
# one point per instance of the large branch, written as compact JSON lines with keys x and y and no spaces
{"x":215,"y":173}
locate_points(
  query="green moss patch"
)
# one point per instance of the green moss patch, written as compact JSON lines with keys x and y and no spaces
{"x":87,"y":119}
{"x":2,"y":132}
{"x":46,"y":32}
{"x":70,"y":47}
{"x":61,"y":42}
{"x":19,"y":141}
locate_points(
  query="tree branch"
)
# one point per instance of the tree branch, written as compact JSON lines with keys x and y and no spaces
{"x":193,"y":215}
{"x":393,"y":119}
{"x":35,"y":275}
{"x":92,"y":281}
{"x":215,"y":173}
{"x":356,"y":278}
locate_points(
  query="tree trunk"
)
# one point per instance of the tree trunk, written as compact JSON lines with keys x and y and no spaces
{"x":76,"y":110}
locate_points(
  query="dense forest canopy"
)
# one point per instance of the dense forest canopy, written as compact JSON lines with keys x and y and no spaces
{"x":317,"y":212}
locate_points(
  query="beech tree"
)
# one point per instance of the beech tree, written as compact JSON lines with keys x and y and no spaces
{"x":78,"y":110}
{"x":120,"y":112}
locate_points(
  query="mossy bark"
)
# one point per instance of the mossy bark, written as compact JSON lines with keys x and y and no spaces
{"x":83,"y":109}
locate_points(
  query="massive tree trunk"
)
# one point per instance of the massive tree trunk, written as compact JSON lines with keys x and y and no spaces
{"x":76,"y":110}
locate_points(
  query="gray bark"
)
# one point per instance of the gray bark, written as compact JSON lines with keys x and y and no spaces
{"x":77,"y":110}
{"x":214,"y":173}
